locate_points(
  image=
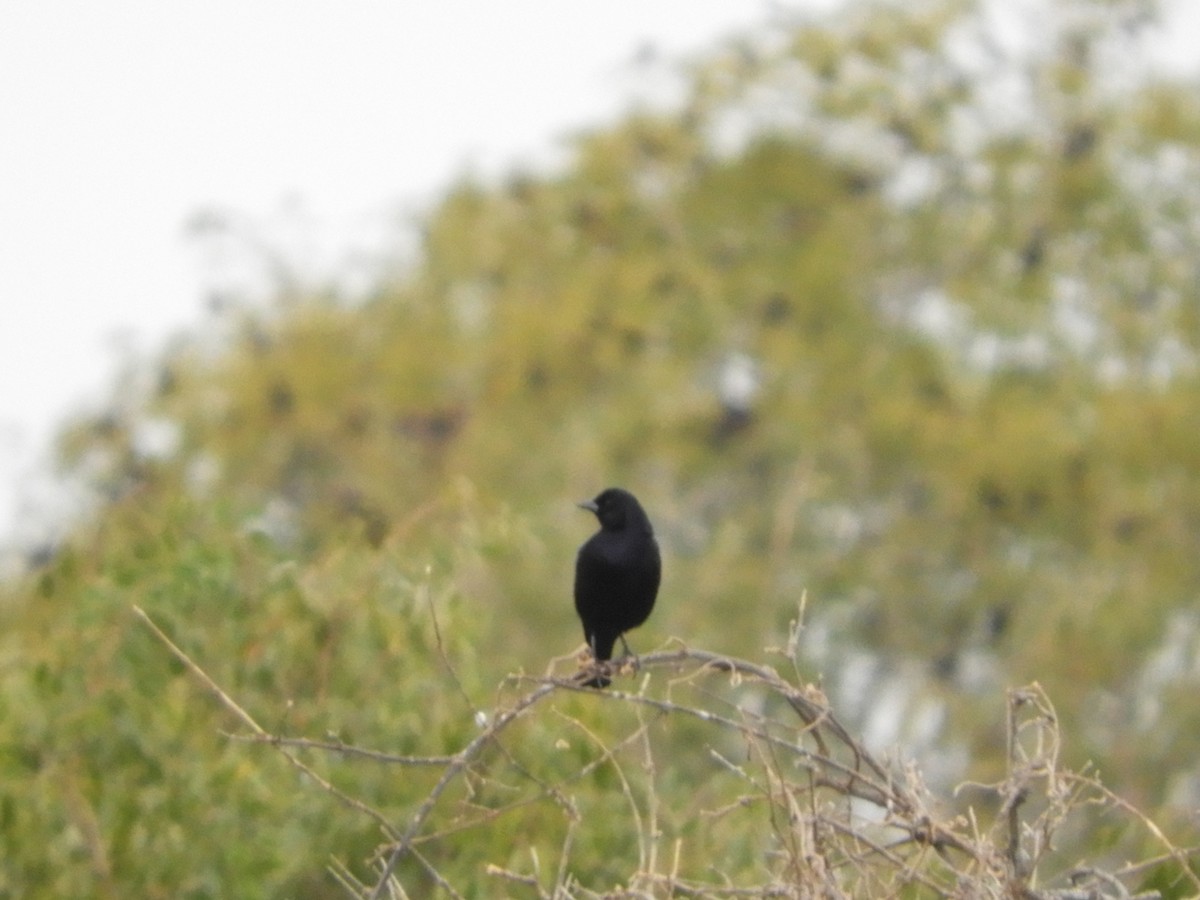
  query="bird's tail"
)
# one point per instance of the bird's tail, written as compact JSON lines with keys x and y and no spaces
{"x":602,"y":650}
{"x":602,"y":646}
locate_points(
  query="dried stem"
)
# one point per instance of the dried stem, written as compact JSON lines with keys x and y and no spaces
{"x":815,"y":780}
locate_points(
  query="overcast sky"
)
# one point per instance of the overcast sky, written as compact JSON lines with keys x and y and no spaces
{"x":120,"y":120}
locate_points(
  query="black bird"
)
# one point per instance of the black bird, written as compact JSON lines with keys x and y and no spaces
{"x":616,"y":574}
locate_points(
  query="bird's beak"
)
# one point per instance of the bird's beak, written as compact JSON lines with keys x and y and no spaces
{"x":589,"y":505}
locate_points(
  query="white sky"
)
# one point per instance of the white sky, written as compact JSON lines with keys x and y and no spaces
{"x":119,"y":120}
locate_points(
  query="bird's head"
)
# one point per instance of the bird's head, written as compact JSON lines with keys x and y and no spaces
{"x":616,"y":508}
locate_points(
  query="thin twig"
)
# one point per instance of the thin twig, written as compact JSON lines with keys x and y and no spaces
{"x":462,"y":759}
{"x":824,"y":843}
{"x":249,"y":721}
{"x":340,"y":748}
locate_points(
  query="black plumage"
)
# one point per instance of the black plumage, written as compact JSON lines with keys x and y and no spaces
{"x":617,"y":572}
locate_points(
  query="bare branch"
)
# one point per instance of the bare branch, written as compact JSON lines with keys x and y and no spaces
{"x":249,"y":721}
{"x":843,"y":822}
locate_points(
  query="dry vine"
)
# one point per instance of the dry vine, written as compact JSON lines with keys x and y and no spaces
{"x":845,"y":822}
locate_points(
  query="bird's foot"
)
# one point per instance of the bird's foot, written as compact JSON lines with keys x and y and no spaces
{"x":629,"y":664}
{"x":596,"y":675}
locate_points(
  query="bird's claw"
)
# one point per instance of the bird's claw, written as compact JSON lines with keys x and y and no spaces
{"x":594,"y":673}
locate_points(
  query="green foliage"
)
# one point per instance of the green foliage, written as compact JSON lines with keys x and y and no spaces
{"x":973,"y":336}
